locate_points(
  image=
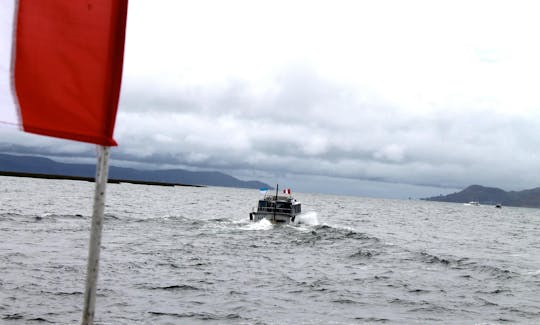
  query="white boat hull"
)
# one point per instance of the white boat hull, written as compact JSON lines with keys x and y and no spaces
{"x":272,"y":217}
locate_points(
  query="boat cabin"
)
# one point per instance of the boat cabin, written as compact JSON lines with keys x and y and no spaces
{"x":282,"y":205}
{"x":277,"y":209}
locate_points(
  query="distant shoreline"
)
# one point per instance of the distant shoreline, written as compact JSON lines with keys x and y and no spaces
{"x":91,"y":179}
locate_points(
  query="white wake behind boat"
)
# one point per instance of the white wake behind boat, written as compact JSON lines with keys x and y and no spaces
{"x":277,"y":208}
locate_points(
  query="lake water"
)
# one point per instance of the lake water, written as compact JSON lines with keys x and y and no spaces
{"x":182,"y":255}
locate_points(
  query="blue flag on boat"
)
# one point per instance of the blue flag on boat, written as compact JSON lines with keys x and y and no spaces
{"x":263,"y":190}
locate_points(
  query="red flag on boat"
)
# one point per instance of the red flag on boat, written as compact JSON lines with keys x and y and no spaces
{"x":287,"y":191}
{"x":61,"y":67}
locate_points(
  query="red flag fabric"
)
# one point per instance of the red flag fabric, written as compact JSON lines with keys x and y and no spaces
{"x":67,"y":67}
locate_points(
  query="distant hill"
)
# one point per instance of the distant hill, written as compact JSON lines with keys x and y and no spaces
{"x":40,"y":165}
{"x":492,"y":195}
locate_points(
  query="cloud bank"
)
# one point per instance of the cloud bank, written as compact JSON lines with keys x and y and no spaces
{"x":321,"y":93}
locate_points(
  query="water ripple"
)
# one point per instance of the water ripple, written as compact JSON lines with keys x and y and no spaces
{"x":183,"y":255}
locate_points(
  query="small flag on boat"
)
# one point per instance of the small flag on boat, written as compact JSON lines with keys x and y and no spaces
{"x":61,"y":66}
{"x":287,"y":191}
{"x":263,"y":190}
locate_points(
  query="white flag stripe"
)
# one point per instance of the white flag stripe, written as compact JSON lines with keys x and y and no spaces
{"x":8,"y":110}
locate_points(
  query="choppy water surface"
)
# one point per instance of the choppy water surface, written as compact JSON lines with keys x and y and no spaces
{"x":181,"y":255}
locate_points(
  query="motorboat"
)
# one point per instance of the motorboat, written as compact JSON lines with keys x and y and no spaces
{"x":277,"y":208}
{"x":475,"y":203}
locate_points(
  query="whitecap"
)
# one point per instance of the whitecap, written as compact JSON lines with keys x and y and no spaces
{"x":263,"y":224}
{"x":309,"y":218}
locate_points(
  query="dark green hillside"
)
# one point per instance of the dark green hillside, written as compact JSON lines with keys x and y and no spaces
{"x":492,"y":195}
{"x":45,"y":166}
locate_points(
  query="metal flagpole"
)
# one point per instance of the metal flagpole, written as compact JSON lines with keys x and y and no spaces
{"x":102,"y":172}
{"x":275,"y":204}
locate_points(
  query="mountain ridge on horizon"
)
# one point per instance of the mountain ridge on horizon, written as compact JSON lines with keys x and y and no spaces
{"x":47,"y":166}
{"x":529,"y":198}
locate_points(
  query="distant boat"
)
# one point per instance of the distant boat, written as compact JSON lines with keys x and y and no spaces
{"x":475,"y":203}
{"x":498,"y":206}
{"x":277,"y":208}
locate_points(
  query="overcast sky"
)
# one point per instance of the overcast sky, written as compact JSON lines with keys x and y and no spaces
{"x":376,"y":98}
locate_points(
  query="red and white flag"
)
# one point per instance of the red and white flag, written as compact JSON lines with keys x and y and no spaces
{"x":287,"y":191}
{"x":61,"y":67}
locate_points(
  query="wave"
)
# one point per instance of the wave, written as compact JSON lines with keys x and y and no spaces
{"x":320,"y":285}
{"x":402,"y":301}
{"x":307,"y":218}
{"x":40,"y":319}
{"x":486,"y":302}
{"x":10,"y":216}
{"x":176,"y":287}
{"x":363,"y":254}
{"x":73,"y":293}
{"x":497,"y":272}
{"x":14,"y":316}
{"x":42,"y":217}
{"x":370,"y":320}
{"x":433,"y":259}
{"x":334,"y":237}
{"x":220,"y":220}
{"x":17,"y":316}
{"x":199,"y":316}
{"x":494,"y":292}
{"x":259,"y":225}
{"x":347,"y":301}
{"x":465,"y":263}
{"x":167,"y":218}
{"x":330,"y":233}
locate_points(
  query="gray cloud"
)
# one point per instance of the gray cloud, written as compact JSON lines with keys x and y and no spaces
{"x":341,"y":105}
{"x":306,"y":125}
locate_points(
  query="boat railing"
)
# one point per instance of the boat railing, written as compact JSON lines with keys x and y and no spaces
{"x":271,"y":209}
{"x":278,"y":198}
